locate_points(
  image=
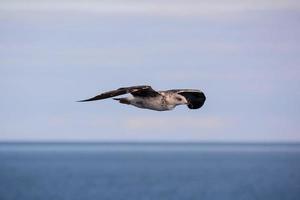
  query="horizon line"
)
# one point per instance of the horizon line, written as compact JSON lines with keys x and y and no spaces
{"x":136,"y":142}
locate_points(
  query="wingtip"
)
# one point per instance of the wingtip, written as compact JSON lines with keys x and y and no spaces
{"x":81,"y":101}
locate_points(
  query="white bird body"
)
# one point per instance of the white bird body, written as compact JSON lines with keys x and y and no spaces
{"x":160,"y":103}
{"x":147,"y":98}
{"x":153,"y":103}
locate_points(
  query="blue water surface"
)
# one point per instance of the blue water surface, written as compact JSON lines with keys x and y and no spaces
{"x":149,"y":171}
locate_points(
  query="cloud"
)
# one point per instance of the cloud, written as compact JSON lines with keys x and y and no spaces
{"x":167,"y":123}
{"x":157,"y":8}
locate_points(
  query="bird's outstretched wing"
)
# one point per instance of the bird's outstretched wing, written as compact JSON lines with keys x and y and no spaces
{"x":195,"y":98}
{"x":140,"y":91}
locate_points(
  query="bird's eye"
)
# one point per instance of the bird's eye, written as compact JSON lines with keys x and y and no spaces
{"x":179,"y":99}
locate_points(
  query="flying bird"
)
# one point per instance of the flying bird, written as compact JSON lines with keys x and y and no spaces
{"x":144,"y":96}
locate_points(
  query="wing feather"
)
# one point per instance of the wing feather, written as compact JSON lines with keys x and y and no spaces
{"x":141,"y":90}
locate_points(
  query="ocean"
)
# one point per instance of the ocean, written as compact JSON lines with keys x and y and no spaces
{"x":149,"y":171}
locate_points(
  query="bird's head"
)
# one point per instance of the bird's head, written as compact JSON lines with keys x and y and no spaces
{"x":180,"y":100}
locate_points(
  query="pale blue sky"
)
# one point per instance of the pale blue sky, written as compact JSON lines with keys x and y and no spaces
{"x":244,"y":55}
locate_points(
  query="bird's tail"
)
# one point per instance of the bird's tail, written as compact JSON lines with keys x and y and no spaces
{"x":122,"y":100}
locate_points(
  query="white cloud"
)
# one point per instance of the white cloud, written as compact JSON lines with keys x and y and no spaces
{"x":159,"y":8}
{"x":171,"y":123}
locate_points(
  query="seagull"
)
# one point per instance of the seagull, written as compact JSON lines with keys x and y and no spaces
{"x":143,"y":96}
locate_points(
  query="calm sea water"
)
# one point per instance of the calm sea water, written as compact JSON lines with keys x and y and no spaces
{"x":149,"y":172}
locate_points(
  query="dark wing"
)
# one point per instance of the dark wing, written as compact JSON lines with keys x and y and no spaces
{"x":144,"y":91}
{"x":195,"y":98}
{"x":141,"y":91}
